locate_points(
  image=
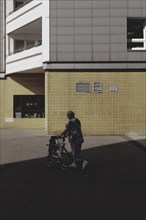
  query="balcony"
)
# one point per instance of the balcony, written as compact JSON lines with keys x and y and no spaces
{"x":28,"y":60}
{"x":27,"y":24}
{"x":21,"y":4}
{"x":25,"y":45}
{"x":25,"y":15}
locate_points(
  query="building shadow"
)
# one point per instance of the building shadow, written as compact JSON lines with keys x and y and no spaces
{"x":112,"y":187}
{"x":31,"y":81}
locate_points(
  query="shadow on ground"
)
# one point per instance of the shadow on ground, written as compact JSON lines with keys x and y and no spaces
{"x":111,"y":188}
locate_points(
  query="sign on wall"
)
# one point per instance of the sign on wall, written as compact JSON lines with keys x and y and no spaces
{"x":83,"y":87}
{"x":113,"y":88}
{"x":98,"y":87}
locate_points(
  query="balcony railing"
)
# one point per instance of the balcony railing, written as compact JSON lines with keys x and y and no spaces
{"x":36,"y":44}
{"x":20,"y":6}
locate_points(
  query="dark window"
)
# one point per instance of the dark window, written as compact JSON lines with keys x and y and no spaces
{"x":18,"y":4}
{"x":29,"y":106}
{"x":18,"y":45}
{"x":135,"y":33}
{"x":135,"y":28}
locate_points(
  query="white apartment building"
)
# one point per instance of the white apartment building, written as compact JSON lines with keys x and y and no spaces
{"x":52,"y":31}
{"x":24,"y":29}
{"x":84,"y":55}
{"x":2,"y":39}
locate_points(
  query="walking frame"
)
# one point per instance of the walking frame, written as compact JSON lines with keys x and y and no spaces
{"x":57,"y":152}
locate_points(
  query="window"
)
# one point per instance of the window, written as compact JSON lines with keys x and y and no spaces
{"x":136,"y":34}
{"x":18,"y":45}
{"x":18,"y":4}
{"x":29,"y":106}
{"x":21,"y":45}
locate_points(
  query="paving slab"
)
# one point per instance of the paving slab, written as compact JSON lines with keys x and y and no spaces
{"x":112,"y":187}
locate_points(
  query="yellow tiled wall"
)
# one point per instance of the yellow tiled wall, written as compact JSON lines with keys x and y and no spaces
{"x":106,"y":113}
{"x":103,"y":113}
{"x":23,"y":84}
{"x":2,"y":102}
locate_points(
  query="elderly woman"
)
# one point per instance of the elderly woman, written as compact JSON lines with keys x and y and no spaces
{"x":74,"y":133}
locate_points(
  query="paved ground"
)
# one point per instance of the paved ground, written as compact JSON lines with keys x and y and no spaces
{"x":111,"y":188}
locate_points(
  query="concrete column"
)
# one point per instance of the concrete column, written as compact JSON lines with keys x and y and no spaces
{"x":45,"y":31}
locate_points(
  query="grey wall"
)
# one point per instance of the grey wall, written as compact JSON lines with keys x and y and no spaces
{"x":1,"y":37}
{"x":93,"y":30}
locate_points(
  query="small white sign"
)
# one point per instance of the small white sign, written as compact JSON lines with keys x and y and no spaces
{"x":97,"y":87}
{"x":113,"y":88}
{"x":9,"y":119}
{"x":18,"y":114}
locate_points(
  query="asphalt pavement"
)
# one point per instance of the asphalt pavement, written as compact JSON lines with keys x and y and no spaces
{"x":112,"y":187}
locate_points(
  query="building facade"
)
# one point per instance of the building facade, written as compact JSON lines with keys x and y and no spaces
{"x":2,"y":59}
{"x":88,"y":56}
{"x":2,"y":38}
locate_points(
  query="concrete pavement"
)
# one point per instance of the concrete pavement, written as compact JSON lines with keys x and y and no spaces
{"x":111,"y":188}
{"x":24,"y":144}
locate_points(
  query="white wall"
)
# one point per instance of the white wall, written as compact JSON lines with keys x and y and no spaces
{"x":45,"y":31}
{"x":25,"y":60}
{"x":24,"y":16}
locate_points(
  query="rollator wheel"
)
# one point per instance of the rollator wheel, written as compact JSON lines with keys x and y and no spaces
{"x":63,"y":167}
{"x":49,"y":162}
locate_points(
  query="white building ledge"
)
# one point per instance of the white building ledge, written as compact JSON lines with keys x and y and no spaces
{"x":93,"y":66}
{"x":24,"y":61}
{"x":24,"y":15}
{"x":2,"y":75}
